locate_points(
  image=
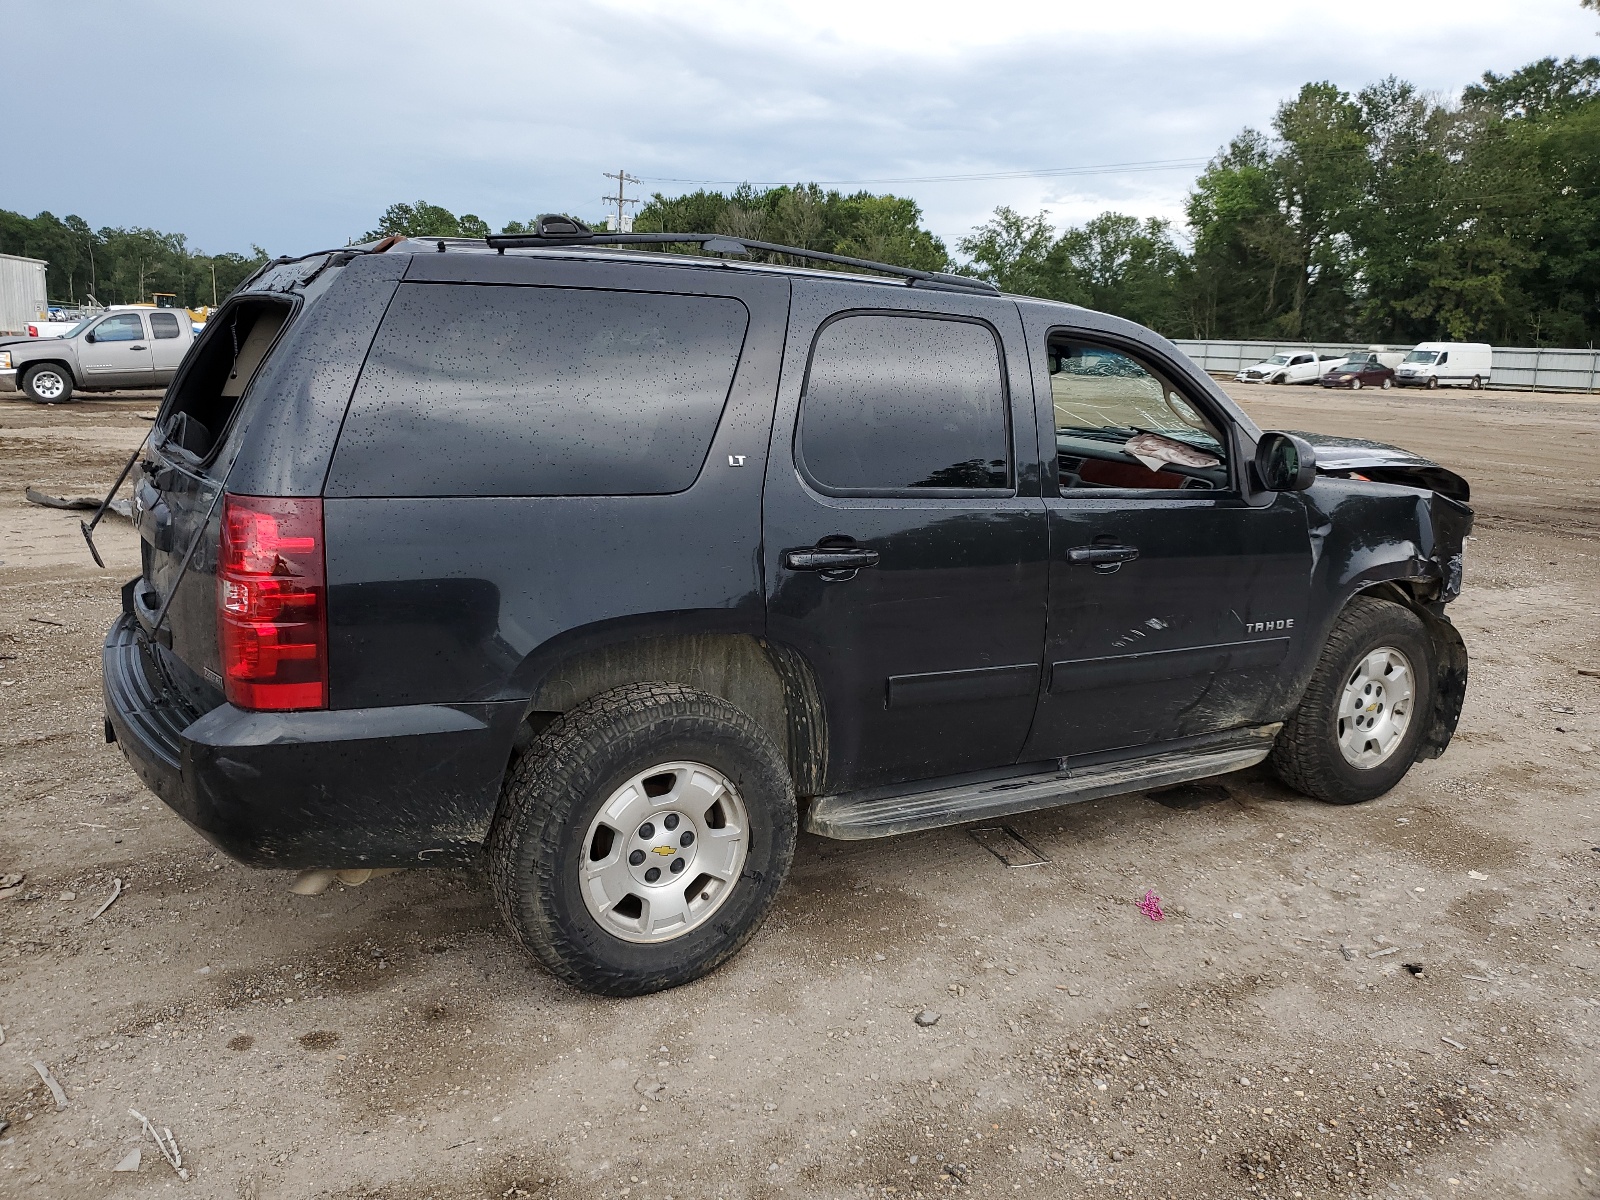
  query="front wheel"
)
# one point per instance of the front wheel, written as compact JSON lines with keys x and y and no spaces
{"x":1433,"y":382}
{"x":643,"y":838}
{"x":1355,"y":385}
{"x":1280,"y":380}
{"x":1357,"y":729}
{"x":47,"y":383}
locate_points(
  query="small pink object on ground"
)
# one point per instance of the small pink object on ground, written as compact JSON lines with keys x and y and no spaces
{"x":1150,"y":906}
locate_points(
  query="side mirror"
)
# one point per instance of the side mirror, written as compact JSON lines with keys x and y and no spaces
{"x":89,"y":337}
{"x":1285,"y":463}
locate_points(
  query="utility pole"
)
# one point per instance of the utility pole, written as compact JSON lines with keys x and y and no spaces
{"x":624,"y":221}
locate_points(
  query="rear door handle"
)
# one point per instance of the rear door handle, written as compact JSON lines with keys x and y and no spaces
{"x":1101,"y":556}
{"x":138,"y":347}
{"x":830,"y":558}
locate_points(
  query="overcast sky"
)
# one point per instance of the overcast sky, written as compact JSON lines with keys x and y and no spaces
{"x":293,"y":124}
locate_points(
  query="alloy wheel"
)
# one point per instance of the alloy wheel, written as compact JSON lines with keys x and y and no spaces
{"x":664,"y":852}
{"x":1375,"y":707}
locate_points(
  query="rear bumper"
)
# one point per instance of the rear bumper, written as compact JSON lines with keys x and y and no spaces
{"x":376,"y":787}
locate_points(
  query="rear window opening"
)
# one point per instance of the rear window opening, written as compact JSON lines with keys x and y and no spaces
{"x":231,"y":351}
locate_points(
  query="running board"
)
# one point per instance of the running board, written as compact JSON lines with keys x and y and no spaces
{"x":854,"y":816}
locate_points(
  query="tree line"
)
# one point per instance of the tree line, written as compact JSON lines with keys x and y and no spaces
{"x":1389,"y":214}
{"x":121,"y":266}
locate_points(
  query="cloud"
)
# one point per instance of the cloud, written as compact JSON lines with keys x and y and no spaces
{"x":292,"y":125}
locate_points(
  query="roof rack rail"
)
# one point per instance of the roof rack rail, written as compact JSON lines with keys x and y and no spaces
{"x":556,"y":232}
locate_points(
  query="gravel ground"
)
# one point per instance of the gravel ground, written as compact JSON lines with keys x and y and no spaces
{"x":1398,"y":999}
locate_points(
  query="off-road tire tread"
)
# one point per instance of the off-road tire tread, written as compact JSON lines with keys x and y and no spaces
{"x":567,"y":751}
{"x":1303,"y":756}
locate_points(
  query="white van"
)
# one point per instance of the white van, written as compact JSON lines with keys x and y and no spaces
{"x":1446,"y":364}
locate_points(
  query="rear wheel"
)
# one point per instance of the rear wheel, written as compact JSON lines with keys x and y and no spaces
{"x":643,"y":839}
{"x":47,"y":383}
{"x":1387,"y":384}
{"x":1477,"y":382}
{"x":1357,"y":729}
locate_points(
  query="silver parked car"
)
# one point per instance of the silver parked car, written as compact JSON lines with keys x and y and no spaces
{"x":119,"y":348}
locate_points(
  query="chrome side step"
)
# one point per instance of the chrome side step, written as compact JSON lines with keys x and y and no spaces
{"x":858,"y":815}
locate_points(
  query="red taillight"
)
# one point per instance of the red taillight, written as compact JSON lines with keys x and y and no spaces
{"x":33,"y":331}
{"x":272,"y":612}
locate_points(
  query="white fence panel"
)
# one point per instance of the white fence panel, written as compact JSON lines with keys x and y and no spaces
{"x":1550,"y":370}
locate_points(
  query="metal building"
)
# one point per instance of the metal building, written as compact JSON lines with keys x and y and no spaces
{"x":22,"y":292}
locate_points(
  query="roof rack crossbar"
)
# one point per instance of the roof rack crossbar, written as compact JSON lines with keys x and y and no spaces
{"x":722,"y":243}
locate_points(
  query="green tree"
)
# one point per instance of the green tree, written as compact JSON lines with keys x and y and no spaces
{"x":1121,"y":265}
{"x":884,"y":228}
{"x":1241,"y":243}
{"x":121,"y":266}
{"x":424,"y":220}
{"x":1011,"y":251}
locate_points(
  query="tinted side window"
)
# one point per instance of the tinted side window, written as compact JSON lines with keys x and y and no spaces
{"x":896,"y":402}
{"x":124,"y":327}
{"x":478,"y":390}
{"x":163,"y":325}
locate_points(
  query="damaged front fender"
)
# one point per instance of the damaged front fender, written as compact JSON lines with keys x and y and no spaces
{"x":1403,"y":543}
{"x":1449,"y":685}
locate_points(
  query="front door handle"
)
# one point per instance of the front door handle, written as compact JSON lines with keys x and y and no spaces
{"x":830,"y":558}
{"x":1101,"y":556}
{"x":138,"y":347}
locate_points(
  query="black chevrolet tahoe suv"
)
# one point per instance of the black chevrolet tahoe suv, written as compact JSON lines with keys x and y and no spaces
{"x":611,"y":566}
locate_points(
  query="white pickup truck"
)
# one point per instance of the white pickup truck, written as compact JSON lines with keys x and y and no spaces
{"x":43,"y":328}
{"x":1298,"y":366}
{"x":118,"y":348}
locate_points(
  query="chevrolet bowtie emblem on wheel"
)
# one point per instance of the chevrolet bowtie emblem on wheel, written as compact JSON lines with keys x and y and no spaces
{"x":662,"y":850}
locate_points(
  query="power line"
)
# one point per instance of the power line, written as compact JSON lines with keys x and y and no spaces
{"x":621,"y":199}
{"x":1133,"y":168}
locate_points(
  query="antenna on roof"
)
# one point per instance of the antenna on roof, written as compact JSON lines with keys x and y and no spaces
{"x":624,"y":219}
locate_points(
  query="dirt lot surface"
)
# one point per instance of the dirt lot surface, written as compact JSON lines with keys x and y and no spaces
{"x":1269,"y":1038}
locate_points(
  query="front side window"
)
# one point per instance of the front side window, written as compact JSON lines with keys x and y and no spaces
{"x":163,"y":325}
{"x":895,"y":402}
{"x":124,"y":327}
{"x":1120,"y":424}
{"x":486,"y":390}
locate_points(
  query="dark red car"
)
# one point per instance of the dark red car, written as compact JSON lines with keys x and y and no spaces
{"x":1359,"y":371}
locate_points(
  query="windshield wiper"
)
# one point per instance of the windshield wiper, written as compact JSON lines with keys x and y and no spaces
{"x":1103,"y":432}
